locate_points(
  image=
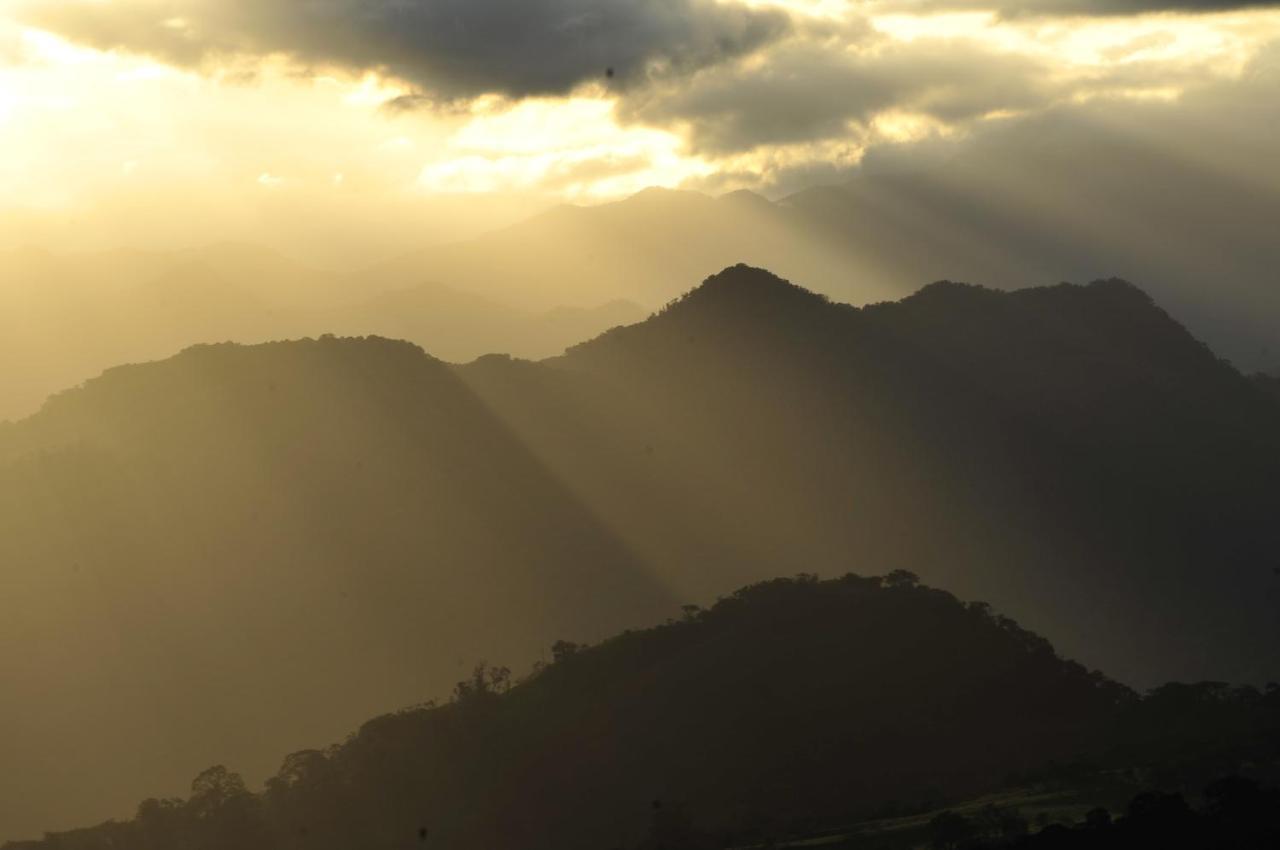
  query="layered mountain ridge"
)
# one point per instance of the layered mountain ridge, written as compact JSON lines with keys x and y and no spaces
{"x":304,"y":534}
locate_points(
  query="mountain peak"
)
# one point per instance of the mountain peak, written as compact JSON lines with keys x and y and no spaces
{"x":945,"y":291}
{"x":745,"y":197}
{"x":1104,"y":296}
{"x":739,"y":300}
{"x":747,"y":285}
{"x":662,"y":195}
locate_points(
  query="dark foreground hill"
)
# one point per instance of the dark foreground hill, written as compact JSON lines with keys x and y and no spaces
{"x":788,"y":705}
{"x":244,"y":549}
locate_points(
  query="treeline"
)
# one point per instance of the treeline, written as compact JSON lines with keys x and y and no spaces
{"x":1235,"y":812}
{"x":790,"y":706}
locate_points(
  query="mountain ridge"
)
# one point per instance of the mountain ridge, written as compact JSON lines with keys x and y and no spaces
{"x":1092,"y":471}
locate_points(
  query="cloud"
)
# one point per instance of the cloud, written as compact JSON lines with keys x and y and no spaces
{"x":450,"y":49}
{"x":1089,"y":8}
{"x":1179,"y":196}
{"x":805,"y":91}
{"x":858,"y":81}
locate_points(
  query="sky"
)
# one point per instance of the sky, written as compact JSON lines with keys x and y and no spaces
{"x":349,"y":130}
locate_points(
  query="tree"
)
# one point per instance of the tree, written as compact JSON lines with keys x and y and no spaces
{"x":901,"y":578}
{"x":562,"y":649}
{"x":214,"y":788}
{"x":298,"y":769}
{"x":485,"y":681}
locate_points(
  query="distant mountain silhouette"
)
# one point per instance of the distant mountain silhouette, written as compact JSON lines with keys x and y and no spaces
{"x":246,"y":549}
{"x":65,"y":318}
{"x":877,"y":237}
{"x":789,"y":705}
{"x":889,"y":228}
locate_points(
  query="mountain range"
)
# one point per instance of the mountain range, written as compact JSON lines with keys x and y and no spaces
{"x":66,"y":317}
{"x":566,"y":274}
{"x":893,"y":227}
{"x":244,"y":550}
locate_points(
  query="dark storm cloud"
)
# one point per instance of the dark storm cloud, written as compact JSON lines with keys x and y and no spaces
{"x":803,"y":92}
{"x":449,"y":48}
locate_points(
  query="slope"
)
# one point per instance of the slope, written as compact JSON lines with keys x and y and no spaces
{"x":239,"y":547}
{"x":788,"y":702}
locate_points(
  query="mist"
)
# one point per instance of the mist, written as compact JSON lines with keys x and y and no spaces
{"x":705,"y":424}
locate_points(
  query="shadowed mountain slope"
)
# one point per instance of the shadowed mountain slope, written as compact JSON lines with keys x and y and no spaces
{"x":212,"y":555}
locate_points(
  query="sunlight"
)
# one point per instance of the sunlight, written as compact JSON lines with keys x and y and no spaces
{"x":572,"y":146}
{"x":899,"y":126}
{"x":8,"y":101}
{"x":689,"y":424}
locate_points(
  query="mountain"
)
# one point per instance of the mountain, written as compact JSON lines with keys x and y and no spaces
{"x":246,"y":545}
{"x":968,"y":218}
{"x":459,"y":326}
{"x":66,"y":317}
{"x":791,"y":699}
{"x":242,"y":550}
{"x":1070,"y":454}
{"x":789,"y":706}
{"x":895,"y":226}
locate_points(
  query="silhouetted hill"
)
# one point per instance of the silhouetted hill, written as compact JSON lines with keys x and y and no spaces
{"x":792,"y":701}
{"x":301,"y":534}
{"x":789,"y":706}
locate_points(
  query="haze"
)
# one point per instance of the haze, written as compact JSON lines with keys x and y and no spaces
{"x":262,"y":476}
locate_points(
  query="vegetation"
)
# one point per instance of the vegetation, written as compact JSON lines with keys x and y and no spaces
{"x":788,"y":707}
{"x":1237,"y":813}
